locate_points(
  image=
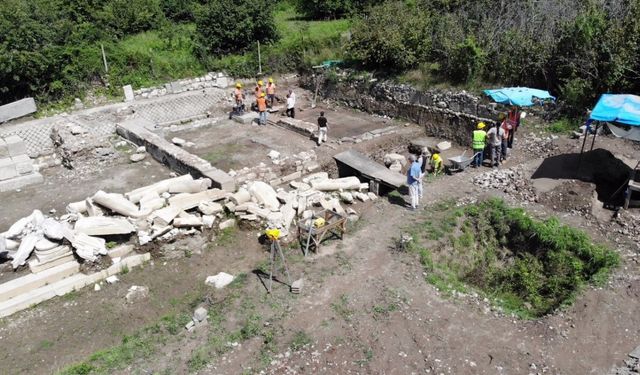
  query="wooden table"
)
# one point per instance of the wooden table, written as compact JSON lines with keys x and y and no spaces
{"x":309,"y":235}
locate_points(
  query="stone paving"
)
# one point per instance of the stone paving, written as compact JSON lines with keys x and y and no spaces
{"x":101,"y":121}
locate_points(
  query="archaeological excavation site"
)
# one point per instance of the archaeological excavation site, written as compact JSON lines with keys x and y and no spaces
{"x":162,"y":234}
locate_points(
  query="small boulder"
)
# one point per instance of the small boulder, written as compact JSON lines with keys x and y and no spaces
{"x":137,"y":157}
{"x":220,"y":280}
{"x":178,"y":141}
{"x":137,"y":293}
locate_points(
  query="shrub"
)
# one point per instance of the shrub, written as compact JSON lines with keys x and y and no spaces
{"x":226,"y":26}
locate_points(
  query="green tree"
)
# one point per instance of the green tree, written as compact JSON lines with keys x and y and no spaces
{"x":325,"y":9}
{"x":380,"y":41}
{"x":226,"y":26}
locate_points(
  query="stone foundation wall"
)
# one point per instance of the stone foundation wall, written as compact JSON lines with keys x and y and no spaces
{"x":446,"y":114}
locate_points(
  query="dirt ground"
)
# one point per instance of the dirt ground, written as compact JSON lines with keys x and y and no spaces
{"x":364,"y":308}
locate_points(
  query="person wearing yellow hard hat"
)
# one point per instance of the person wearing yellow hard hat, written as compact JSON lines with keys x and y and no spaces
{"x":478,"y":144}
{"x":238,"y":98}
{"x":259,"y":89}
{"x":437,"y":167}
{"x":261,"y":103}
{"x":271,"y":92}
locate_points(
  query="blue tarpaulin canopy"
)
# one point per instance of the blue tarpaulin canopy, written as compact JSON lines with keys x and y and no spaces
{"x":520,"y":96}
{"x":624,"y":109}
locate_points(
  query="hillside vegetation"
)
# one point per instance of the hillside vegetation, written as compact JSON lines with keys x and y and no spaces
{"x":578,"y":49}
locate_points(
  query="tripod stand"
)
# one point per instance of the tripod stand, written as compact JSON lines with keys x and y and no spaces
{"x":276,"y":251}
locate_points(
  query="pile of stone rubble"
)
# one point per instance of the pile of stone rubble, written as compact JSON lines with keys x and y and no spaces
{"x":632,"y":364}
{"x":511,"y":181}
{"x":540,"y":146}
{"x":169,"y":208}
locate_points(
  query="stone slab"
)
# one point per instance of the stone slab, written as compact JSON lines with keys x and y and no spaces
{"x":246,"y":118}
{"x":17,"y":109}
{"x":23,"y":164}
{"x":4,"y":151}
{"x":128,"y":93}
{"x":64,"y":286}
{"x":353,"y":163}
{"x":635,"y":353}
{"x":301,"y":127}
{"x":36,"y":266}
{"x":175,"y":157}
{"x":120,"y":251}
{"x":21,"y":181}
{"x":15,"y":145}
{"x":26,"y":283}
{"x":7,"y":169}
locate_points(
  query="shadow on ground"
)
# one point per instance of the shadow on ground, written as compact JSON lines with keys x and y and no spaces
{"x":599,"y":167}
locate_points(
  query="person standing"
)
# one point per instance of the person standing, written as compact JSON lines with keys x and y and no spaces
{"x":513,"y":121}
{"x":507,"y":129}
{"x":422,"y":160}
{"x":238,"y":97}
{"x":322,"y":128}
{"x":495,"y":135}
{"x":291,"y":109}
{"x":478,"y":144}
{"x":262,"y":109}
{"x":413,"y":177}
{"x":271,"y":92}
{"x":258,"y":91}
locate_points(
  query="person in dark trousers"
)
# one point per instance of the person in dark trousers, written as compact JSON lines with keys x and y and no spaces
{"x":322,"y":128}
{"x":291,"y":106}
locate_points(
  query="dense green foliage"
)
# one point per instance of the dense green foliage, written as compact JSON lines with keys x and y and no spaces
{"x":226,"y":26}
{"x":330,"y":9}
{"x":578,"y":49}
{"x":529,"y":266}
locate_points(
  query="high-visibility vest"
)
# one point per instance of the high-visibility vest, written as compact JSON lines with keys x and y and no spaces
{"x":262,"y":104}
{"x":238,"y":94}
{"x":479,"y":138}
{"x":436,"y":161}
{"x":271,"y":88}
{"x":258,"y":91}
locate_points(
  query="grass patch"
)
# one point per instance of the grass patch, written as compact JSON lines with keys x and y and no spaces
{"x":300,"y":340}
{"x":341,"y":308}
{"x":302,"y":43}
{"x":563,"y":126}
{"x":226,"y":236}
{"x":529,"y":267}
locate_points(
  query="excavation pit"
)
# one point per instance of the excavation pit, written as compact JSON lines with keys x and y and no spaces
{"x":526,"y":266}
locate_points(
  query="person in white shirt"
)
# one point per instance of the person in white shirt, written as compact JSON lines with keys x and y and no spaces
{"x":291,"y":103}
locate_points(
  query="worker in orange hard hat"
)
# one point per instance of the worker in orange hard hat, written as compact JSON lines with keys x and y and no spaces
{"x":238,"y":97}
{"x":271,"y":92}
{"x":261,"y":103}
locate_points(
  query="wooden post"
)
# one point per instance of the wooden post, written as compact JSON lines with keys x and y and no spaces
{"x":259,"y":60}
{"x":104,"y":59}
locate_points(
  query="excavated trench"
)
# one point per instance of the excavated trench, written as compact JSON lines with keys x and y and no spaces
{"x":599,"y":166}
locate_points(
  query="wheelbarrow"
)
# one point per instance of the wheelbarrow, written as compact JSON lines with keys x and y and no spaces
{"x":460,"y":163}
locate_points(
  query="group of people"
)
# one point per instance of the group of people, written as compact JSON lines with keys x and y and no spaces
{"x":264,"y":100}
{"x":265,"y":97}
{"x":498,"y":140}
{"x":422,"y":165}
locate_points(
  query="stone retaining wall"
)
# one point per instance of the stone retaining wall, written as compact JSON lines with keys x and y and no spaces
{"x":445,"y":114}
{"x":179,"y":160}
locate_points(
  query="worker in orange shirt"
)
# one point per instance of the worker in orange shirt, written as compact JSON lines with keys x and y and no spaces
{"x":261,"y":103}
{"x":257,"y":91}
{"x":238,"y":97}
{"x":271,"y":92}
